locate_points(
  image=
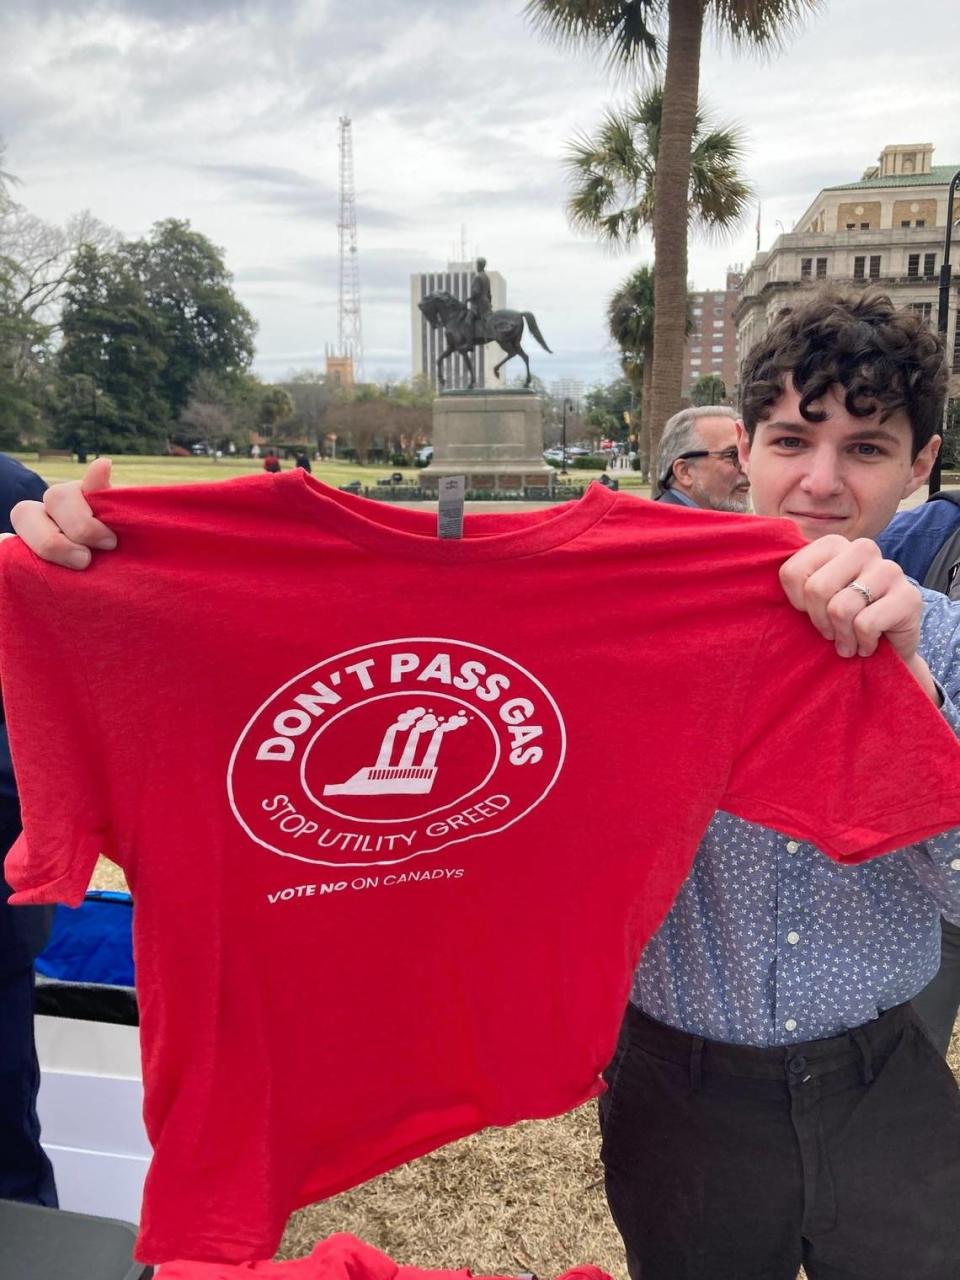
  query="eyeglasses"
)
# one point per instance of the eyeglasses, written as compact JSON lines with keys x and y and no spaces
{"x":730,"y":454}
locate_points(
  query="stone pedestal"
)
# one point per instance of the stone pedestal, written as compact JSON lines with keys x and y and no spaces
{"x":494,"y":438}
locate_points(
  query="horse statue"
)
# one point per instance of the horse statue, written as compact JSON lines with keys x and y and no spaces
{"x":459,"y":325}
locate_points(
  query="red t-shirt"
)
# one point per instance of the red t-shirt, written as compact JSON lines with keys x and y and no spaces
{"x":398,"y":813}
{"x":339,"y":1257}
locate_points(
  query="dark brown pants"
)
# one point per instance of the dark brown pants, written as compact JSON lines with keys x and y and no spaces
{"x":730,"y":1163}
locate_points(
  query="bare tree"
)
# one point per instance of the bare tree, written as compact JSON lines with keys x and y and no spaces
{"x":40,"y":257}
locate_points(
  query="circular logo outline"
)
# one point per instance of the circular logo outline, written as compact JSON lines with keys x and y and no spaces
{"x":412,"y":817}
{"x":418,"y":853}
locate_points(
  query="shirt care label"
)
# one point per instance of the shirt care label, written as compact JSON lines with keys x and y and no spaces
{"x":451,"y":494}
{"x":393,"y":750}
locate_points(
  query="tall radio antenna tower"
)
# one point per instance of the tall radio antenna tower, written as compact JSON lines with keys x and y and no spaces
{"x":349,"y":329}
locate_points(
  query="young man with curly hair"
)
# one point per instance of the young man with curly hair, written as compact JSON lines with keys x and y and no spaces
{"x":774,"y":1101}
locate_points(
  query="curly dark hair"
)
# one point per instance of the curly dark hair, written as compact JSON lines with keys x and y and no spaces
{"x":884,"y":357}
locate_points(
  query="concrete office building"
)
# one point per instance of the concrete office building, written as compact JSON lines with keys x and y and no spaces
{"x":571,"y":389}
{"x":711,"y":347}
{"x":427,"y":343}
{"x":887,"y":230}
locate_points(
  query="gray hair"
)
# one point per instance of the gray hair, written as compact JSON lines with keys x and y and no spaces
{"x":680,"y":435}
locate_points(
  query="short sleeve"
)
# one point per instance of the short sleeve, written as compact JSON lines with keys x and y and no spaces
{"x":56,"y":748}
{"x":847,"y":753}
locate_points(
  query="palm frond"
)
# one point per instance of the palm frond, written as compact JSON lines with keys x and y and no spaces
{"x":630,"y":312}
{"x":612,"y":175}
{"x":763,"y":26}
{"x":609,"y":176}
{"x":626,"y":31}
{"x":719,"y":196}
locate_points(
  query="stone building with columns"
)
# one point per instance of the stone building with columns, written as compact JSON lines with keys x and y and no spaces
{"x":886,"y":229}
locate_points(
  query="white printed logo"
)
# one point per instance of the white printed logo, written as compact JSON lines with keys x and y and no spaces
{"x":394,"y":750}
{"x":406,"y":777}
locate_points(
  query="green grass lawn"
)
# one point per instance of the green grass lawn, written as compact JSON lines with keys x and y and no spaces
{"x":137,"y":470}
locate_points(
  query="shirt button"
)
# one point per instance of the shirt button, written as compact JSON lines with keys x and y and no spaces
{"x":955,"y":865}
{"x":790,"y":1024}
{"x":793,"y":937}
{"x":793,"y":847}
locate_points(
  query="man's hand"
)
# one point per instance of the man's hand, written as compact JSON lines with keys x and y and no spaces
{"x":62,"y":528}
{"x":818,"y":580}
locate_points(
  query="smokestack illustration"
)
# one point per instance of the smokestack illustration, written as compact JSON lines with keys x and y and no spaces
{"x":407,"y":776}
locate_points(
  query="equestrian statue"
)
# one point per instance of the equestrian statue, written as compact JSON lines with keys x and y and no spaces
{"x":468,"y":325}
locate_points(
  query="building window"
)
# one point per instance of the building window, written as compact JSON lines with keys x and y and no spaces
{"x":851,"y":226}
{"x":875,"y":266}
{"x":858,"y":268}
{"x":923,"y":309}
{"x":913,"y":265}
{"x":806,"y":267}
{"x":716,"y":349}
{"x":906,"y":223}
{"x":920,"y":222}
{"x":821,"y":268}
{"x":864,"y":226}
{"x":929,"y":264}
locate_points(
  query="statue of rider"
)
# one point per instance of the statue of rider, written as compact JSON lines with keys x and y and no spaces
{"x":481,"y":304}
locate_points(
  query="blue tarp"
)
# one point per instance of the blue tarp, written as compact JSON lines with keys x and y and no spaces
{"x":91,"y":943}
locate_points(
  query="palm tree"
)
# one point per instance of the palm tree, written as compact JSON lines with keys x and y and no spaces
{"x":630,"y":320}
{"x":636,"y":34}
{"x":709,"y":388}
{"x":613,"y":174}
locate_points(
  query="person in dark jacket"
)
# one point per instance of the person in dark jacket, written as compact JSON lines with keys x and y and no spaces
{"x":303,"y":461}
{"x":25,"y":1171}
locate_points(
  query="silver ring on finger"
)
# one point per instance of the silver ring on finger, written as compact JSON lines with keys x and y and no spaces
{"x":857,"y":585}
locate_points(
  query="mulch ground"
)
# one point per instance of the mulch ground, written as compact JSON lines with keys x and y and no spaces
{"x":528,"y":1198}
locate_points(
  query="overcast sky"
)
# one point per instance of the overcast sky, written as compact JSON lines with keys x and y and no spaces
{"x":225,"y":113}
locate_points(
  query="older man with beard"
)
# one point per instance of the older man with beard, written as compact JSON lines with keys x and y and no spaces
{"x":697,"y":463}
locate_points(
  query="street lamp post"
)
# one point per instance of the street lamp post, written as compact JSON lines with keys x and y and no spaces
{"x":567,"y":404}
{"x":943,"y":309}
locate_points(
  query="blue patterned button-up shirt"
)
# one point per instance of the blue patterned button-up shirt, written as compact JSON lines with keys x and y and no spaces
{"x":771,"y":942}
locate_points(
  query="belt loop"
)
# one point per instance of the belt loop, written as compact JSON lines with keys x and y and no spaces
{"x":696,"y":1063}
{"x":866,"y":1059}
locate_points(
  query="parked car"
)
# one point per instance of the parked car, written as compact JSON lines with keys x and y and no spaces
{"x":573,"y":451}
{"x":424,"y":455}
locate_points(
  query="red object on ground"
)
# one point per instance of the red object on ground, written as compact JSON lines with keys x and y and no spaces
{"x":350,"y":770}
{"x":339,"y":1257}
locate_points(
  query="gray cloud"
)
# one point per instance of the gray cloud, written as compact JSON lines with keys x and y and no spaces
{"x":224,"y":111}
{"x":299,"y":194}
{"x":168,"y":12}
{"x":259,"y":175}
